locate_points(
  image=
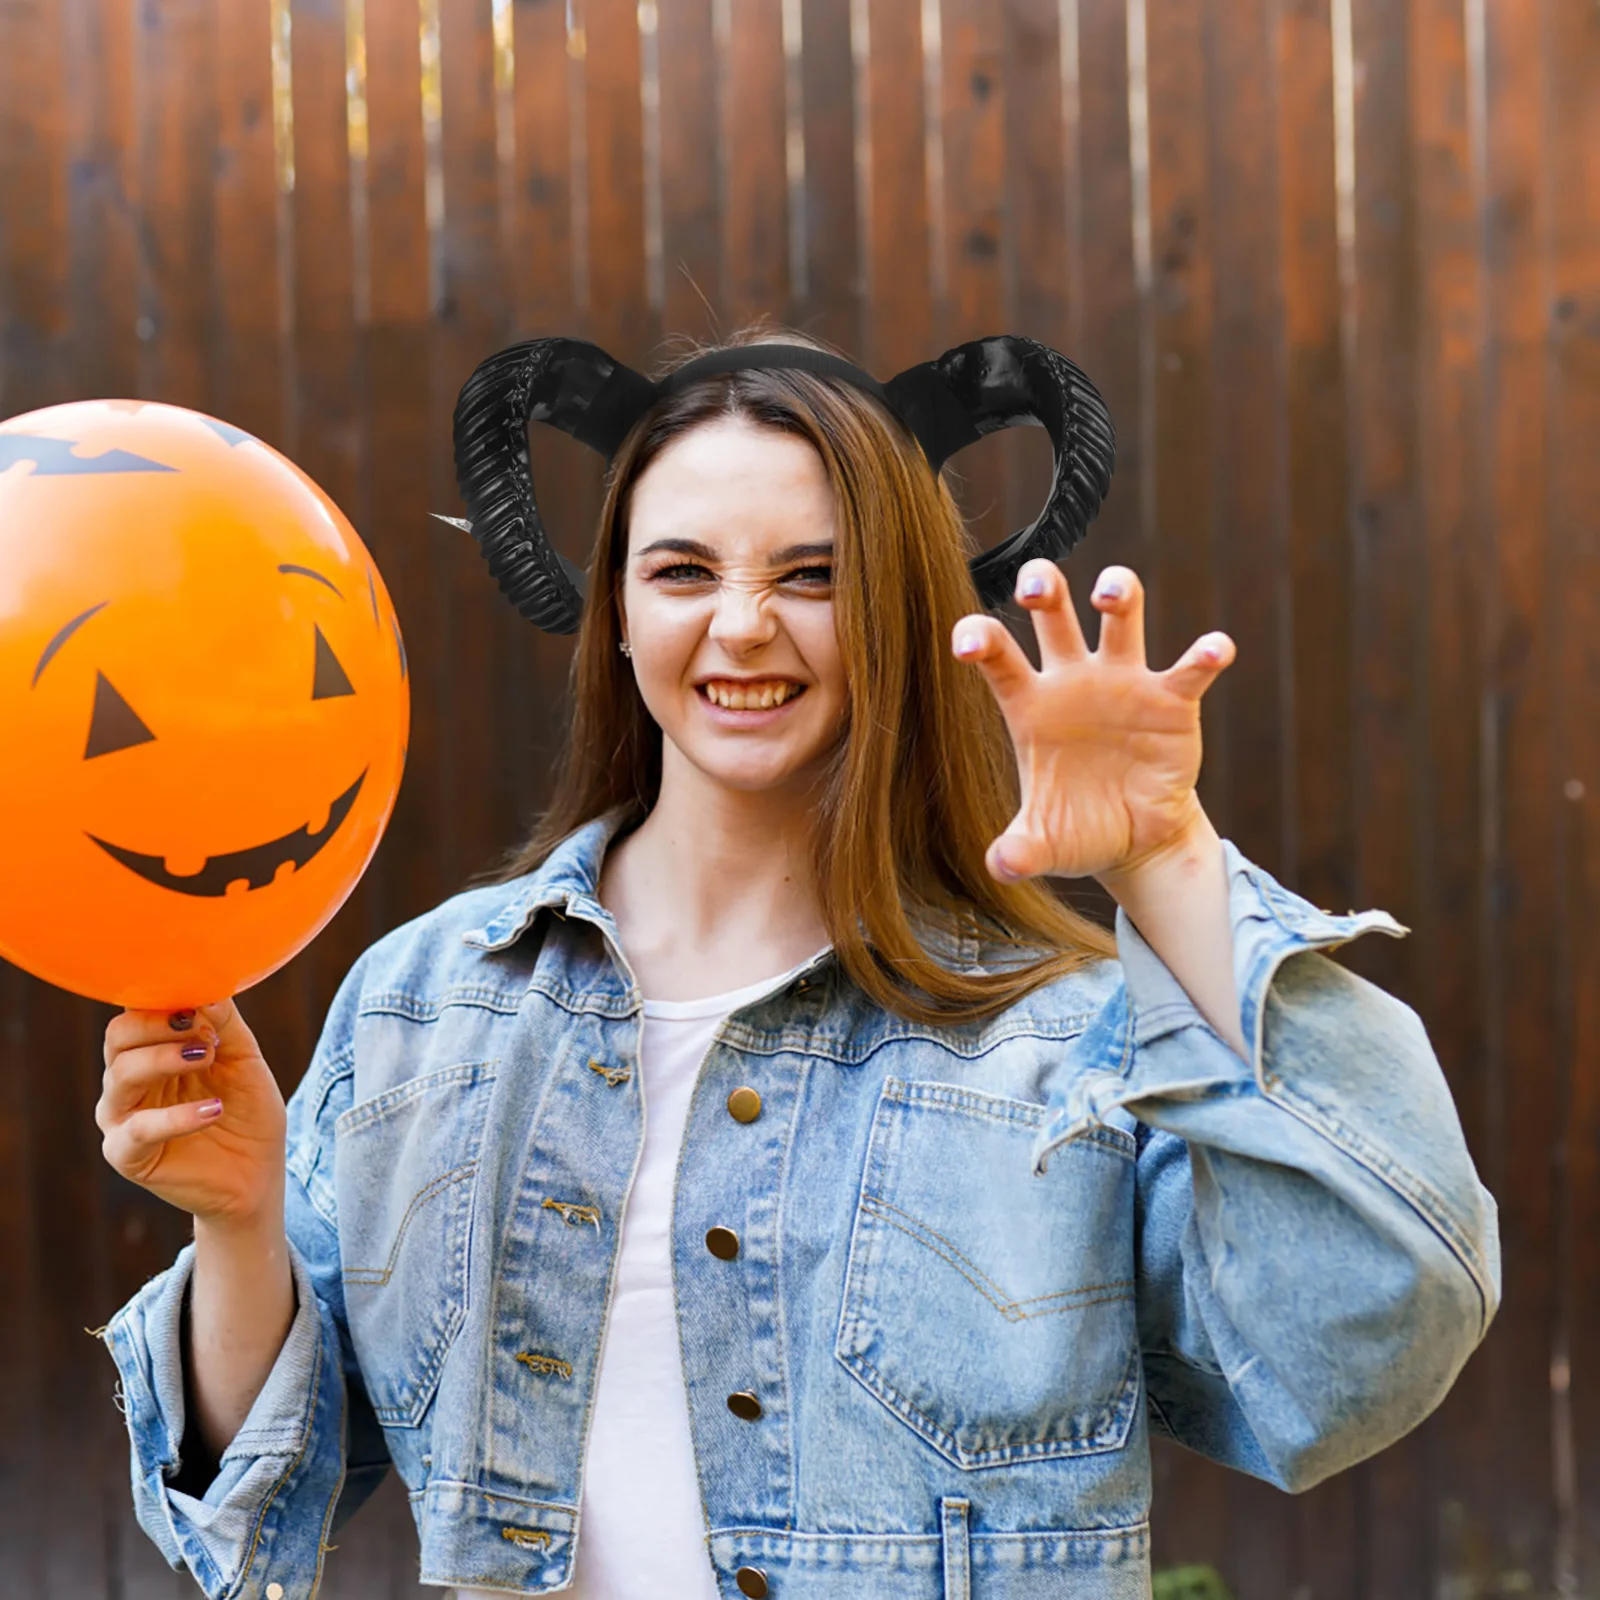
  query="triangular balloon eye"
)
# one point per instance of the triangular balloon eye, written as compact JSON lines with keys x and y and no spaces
{"x":330,"y":680}
{"x":115,"y":725}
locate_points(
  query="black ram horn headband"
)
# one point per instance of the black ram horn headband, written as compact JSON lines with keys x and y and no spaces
{"x":974,"y":389}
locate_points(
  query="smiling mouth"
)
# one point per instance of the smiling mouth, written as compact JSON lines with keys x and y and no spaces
{"x":256,"y":867}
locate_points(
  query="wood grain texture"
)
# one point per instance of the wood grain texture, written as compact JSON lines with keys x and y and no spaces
{"x":972,"y":121}
{"x":835,"y":287}
{"x":1384,"y":488}
{"x":693,"y":298}
{"x":755,"y":231}
{"x":1572,"y":113}
{"x":1511,"y":1533}
{"x":899,"y":285}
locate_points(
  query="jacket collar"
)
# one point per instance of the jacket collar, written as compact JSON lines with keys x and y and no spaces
{"x":567,"y":879}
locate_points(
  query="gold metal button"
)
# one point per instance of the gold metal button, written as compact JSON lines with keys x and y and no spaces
{"x":723,"y":1243}
{"x":752,"y":1581}
{"x":745,"y":1406}
{"x":744,"y":1105}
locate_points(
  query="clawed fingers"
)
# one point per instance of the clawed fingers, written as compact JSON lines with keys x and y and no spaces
{"x":1200,"y":665}
{"x":986,"y":643}
{"x":1042,"y":590}
{"x":1119,"y":598}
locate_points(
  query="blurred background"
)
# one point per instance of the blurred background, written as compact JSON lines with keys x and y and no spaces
{"x":1335,"y":265}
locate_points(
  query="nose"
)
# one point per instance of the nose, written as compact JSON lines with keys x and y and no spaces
{"x":742,"y":620}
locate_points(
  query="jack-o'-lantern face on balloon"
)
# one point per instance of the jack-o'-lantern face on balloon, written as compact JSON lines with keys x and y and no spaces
{"x":203,"y":704}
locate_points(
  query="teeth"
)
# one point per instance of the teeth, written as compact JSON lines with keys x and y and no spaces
{"x":740,"y":697}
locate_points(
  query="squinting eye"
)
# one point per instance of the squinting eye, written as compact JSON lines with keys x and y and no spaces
{"x":329,"y":680}
{"x":680,"y":569}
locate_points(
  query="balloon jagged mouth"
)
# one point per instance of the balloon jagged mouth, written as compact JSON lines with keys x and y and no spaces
{"x":256,"y":867}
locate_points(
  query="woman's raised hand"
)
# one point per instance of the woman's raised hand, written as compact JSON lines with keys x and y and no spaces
{"x":192,"y":1113}
{"x":1108,"y":750}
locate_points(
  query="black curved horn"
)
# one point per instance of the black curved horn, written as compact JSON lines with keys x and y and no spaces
{"x":569,"y":384}
{"x":1003,"y":382}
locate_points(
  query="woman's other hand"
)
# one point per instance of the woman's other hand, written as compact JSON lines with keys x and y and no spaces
{"x":191,"y":1112}
{"x":1108,"y":750}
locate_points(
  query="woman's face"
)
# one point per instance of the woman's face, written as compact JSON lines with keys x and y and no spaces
{"x":727,"y":601}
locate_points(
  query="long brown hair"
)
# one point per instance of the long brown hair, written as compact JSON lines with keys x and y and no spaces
{"x":904,"y":817}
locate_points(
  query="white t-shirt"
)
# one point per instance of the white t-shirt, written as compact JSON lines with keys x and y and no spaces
{"x":643,"y":1529}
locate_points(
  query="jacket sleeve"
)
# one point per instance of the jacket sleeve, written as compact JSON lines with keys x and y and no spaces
{"x":1316,"y":1257}
{"x":309,"y":1451}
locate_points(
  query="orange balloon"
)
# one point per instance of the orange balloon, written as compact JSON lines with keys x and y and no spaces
{"x":203,"y":704}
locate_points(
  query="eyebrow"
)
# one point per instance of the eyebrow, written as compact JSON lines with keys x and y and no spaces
{"x":306,"y":572}
{"x":62,"y":637}
{"x":693,"y":547}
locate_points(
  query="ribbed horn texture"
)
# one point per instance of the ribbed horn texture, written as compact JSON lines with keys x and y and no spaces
{"x":492,"y":414}
{"x":1010,"y":381}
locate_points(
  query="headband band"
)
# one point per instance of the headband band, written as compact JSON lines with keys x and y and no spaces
{"x":971,"y":390}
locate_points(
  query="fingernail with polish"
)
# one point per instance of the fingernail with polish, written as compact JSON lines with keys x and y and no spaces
{"x":1109,"y":589}
{"x":1032,"y":586}
{"x":193,"y":1052}
{"x":967,"y":644}
{"x":181,"y":1021}
{"x":209,"y":1108}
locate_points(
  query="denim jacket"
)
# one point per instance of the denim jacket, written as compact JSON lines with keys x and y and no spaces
{"x":978,"y":1264}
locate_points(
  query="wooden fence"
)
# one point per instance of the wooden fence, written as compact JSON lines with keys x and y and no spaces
{"x":1336,"y":266}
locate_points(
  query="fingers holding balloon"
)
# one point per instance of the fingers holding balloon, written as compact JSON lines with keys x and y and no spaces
{"x":1200,"y":665}
{"x":135,"y":1076}
{"x":135,"y":1143}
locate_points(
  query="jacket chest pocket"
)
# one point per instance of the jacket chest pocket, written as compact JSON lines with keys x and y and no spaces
{"x":990,"y":1310}
{"x":405,"y":1171}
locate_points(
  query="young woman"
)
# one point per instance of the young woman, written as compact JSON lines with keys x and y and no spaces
{"x":768,"y":1187}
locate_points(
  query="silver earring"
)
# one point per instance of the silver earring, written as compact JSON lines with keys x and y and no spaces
{"x":625,"y":647}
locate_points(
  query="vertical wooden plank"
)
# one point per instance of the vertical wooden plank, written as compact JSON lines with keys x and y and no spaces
{"x":1177,"y":569}
{"x":1389,"y":575}
{"x":1572,"y":110}
{"x":898,"y":248}
{"x":248,"y":380}
{"x":74,"y":1531}
{"x":482,"y":644}
{"x":973,"y":127}
{"x":618,"y":303}
{"x":1105,"y":317}
{"x":395,"y":358}
{"x":691,"y":240}
{"x":565,"y":475}
{"x":1039,"y":269}
{"x":1167,"y":346}
{"x":177,"y":136}
{"x":1249,"y":512}
{"x":1506,"y":1535}
{"x":324,"y":431}
{"x":98,"y":57}
{"x":1181,"y":571}
{"x":1320,"y":813}
{"x":1455,"y":1458}
{"x":35,"y":348}
{"x":755,"y":235}
{"x":21,"y":1402}
{"x":1319,"y":853}
{"x":834,"y":287}
{"x":1249,"y":448}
